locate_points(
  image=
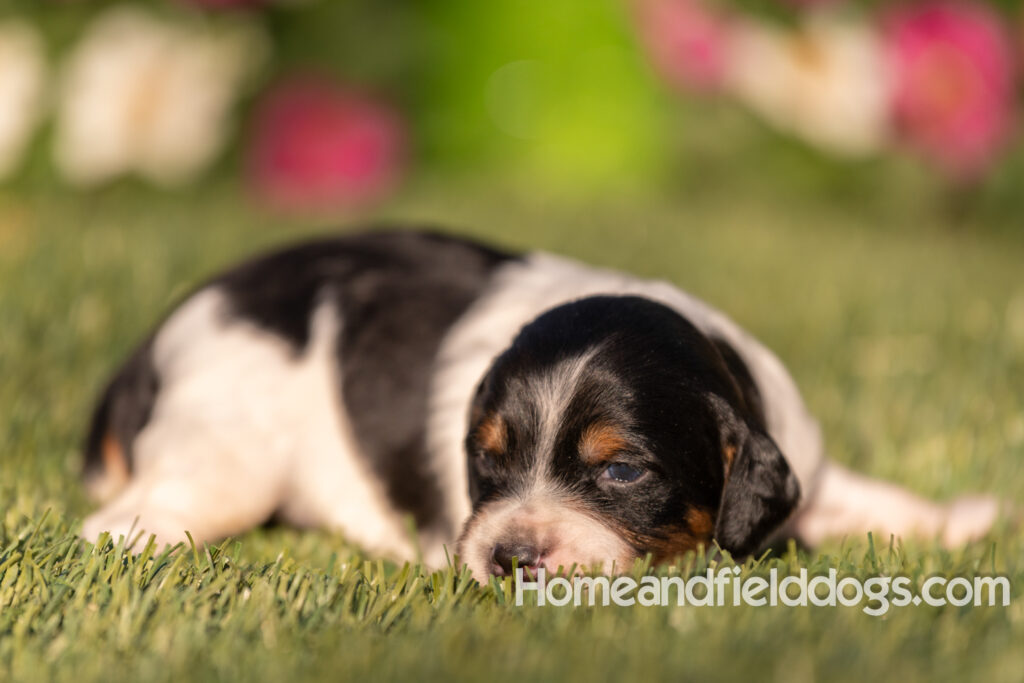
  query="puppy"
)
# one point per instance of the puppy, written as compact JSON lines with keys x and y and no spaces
{"x":518,"y":408}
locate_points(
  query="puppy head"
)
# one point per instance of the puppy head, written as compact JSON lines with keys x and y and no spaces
{"x":612,"y":428}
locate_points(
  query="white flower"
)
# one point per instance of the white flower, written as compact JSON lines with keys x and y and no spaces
{"x":22,"y":83}
{"x":825,"y":82}
{"x":144,"y":95}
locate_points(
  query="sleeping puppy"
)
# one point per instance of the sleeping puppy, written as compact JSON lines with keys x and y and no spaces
{"x":519,"y":408}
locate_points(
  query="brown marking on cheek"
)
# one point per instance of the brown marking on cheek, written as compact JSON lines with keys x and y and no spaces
{"x":492,"y":434}
{"x":700,"y":521}
{"x":679,"y":539}
{"x":115,"y":464}
{"x":601,"y":442}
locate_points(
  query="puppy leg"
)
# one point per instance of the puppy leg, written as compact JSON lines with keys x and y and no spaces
{"x":168,"y":507}
{"x":192,"y":477}
{"x":843,"y":502}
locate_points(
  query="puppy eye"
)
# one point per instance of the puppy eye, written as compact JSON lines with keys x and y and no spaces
{"x":621,"y":472}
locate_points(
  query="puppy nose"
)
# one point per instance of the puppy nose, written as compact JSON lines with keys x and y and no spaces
{"x":524,"y":555}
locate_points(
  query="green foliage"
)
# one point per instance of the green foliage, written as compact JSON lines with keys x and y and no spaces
{"x":555,"y":90}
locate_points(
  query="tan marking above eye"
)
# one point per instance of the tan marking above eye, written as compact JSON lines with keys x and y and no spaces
{"x":493,"y":434}
{"x":679,"y":539}
{"x":601,"y":442}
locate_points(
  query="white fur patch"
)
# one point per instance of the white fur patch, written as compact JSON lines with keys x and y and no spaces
{"x":844,"y":502}
{"x":243,"y":427}
{"x":566,"y":537}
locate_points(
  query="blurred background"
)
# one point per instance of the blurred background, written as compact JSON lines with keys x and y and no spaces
{"x":319,"y":107}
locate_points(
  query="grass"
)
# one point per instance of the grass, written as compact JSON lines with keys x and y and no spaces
{"x":907,"y":339}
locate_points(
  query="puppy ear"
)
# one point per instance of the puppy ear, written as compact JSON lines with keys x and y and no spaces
{"x":760,"y":490}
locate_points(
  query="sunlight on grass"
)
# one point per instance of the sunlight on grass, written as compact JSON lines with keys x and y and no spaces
{"x":907,"y":341}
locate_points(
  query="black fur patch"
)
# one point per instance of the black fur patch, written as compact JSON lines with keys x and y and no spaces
{"x":647,"y":373}
{"x":398,"y":293}
{"x":674,"y":405}
{"x":744,"y":380}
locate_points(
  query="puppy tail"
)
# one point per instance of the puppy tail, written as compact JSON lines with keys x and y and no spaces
{"x":123,"y":410}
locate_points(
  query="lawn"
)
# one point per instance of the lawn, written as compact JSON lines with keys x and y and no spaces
{"x":907,"y":338}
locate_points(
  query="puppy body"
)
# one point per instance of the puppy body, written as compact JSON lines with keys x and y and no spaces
{"x":334,"y":384}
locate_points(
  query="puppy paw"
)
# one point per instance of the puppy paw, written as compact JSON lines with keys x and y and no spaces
{"x":968,"y":519}
{"x":132,"y":528}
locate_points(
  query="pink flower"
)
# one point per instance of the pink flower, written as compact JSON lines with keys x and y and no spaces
{"x":687,"y":40}
{"x":952,"y":66}
{"x":320,"y":146}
